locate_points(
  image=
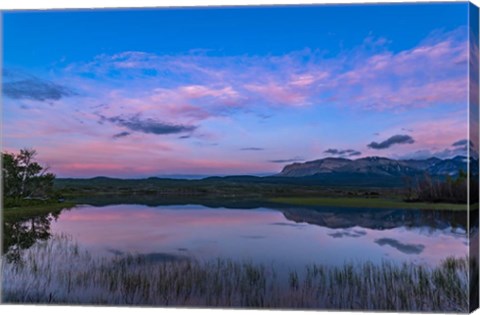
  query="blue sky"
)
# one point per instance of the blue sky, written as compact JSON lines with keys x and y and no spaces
{"x":81,"y":35}
{"x":233,"y":90}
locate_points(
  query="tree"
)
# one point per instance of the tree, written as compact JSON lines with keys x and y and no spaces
{"x":434,"y":189}
{"x":23,"y":177}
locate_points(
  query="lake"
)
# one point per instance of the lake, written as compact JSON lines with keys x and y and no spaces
{"x":289,"y":237}
{"x":240,"y":255}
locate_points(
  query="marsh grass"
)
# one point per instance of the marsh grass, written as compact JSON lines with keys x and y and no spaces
{"x":59,"y":272}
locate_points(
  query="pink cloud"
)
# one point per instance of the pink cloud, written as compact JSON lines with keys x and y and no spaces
{"x":432,"y":137}
{"x":216,"y":94}
{"x":302,"y":80}
{"x":410,"y":95}
{"x":445,"y":132}
{"x":278,"y":94}
{"x":199,"y":91}
{"x":137,"y":156}
{"x":429,"y":74}
{"x":185,"y":104}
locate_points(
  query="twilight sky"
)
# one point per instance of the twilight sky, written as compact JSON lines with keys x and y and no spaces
{"x":234,"y":91}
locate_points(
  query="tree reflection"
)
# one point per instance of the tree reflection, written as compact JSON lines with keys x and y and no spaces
{"x":20,"y":235}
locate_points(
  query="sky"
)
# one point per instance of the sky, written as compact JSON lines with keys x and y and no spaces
{"x":221,"y":91}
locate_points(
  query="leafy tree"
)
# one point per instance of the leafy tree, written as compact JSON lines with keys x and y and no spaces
{"x":23,"y":177}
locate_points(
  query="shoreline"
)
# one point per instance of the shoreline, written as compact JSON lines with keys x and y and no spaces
{"x":21,"y":213}
{"x":369,"y":203}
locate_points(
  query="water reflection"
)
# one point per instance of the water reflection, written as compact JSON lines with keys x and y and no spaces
{"x":348,"y":233}
{"x":378,"y":219}
{"x":292,"y":237}
{"x":22,"y":235}
{"x":404,"y":248}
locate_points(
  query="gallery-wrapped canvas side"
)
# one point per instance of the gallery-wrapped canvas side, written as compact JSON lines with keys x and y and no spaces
{"x":474,"y":161}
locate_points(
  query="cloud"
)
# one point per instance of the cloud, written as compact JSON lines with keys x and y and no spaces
{"x":177,"y":93}
{"x":342,"y":153}
{"x":278,"y":94}
{"x":149,"y":125}
{"x":121,"y":135}
{"x":397,"y":139}
{"x":295,"y":159}
{"x":193,"y":87}
{"x":199,"y":91}
{"x":458,"y":148}
{"x":404,"y":248}
{"x":371,"y":82}
{"x":462,"y":143}
{"x":448,"y":130}
{"x":252,"y":149}
{"x":368,"y":77}
{"x":23,"y":86}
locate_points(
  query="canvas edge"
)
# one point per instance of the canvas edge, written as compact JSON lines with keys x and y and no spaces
{"x":1,"y":146}
{"x":473,"y":123}
{"x":473,"y":186}
{"x":105,"y":5}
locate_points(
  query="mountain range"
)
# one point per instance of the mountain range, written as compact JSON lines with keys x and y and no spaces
{"x":328,"y":172}
{"x":379,"y":166}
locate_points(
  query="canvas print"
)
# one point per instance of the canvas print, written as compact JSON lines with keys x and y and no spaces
{"x":319,"y":157}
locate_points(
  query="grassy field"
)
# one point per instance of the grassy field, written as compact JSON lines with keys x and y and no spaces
{"x":59,"y":272}
{"x":365,"y":203}
{"x":291,"y":191}
{"x":245,"y":186}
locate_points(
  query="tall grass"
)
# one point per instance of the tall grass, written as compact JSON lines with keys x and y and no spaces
{"x":59,"y":272}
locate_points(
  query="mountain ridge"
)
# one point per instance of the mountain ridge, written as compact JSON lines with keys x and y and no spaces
{"x":375,"y":165}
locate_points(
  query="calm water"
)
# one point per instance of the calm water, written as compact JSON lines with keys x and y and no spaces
{"x":288,"y":237}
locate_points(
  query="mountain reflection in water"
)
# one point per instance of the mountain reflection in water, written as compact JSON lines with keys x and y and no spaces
{"x":289,"y":236}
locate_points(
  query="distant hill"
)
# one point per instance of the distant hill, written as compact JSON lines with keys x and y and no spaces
{"x":378,"y":166}
{"x":373,"y":172}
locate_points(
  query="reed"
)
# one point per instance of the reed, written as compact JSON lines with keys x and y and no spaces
{"x":59,"y":272}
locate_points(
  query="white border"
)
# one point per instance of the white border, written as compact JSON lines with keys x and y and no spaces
{"x":64,"y":4}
